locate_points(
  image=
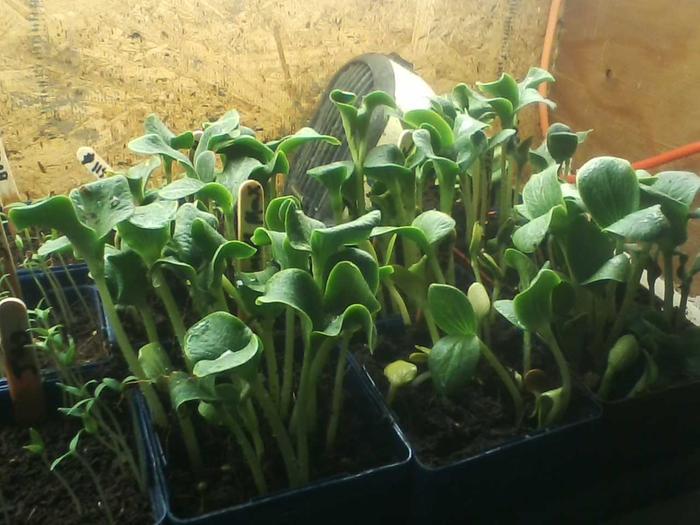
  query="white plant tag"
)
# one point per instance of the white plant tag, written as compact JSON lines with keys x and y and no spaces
{"x":92,"y":162}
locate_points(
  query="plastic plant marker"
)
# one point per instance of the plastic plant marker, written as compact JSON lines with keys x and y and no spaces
{"x":251,"y":207}
{"x":20,"y":363}
{"x":8,"y":187}
{"x":93,"y":163}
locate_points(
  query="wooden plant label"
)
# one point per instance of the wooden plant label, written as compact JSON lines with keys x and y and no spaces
{"x":251,"y":206}
{"x":280,"y":183}
{"x":20,"y":363}
{"x":8,"y":187}
{"x":92,"y":162}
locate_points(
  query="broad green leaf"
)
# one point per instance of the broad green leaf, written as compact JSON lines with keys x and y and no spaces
{"x":182,"y":243}
{"x":154,"y":361}
{"x":529,"y":236}
{"x":139,"y":175}
{"x":326,"y":241}
{"x":417,"y":117}
{"x":236,"y":171}
{"x":297,"y":289}
{"x":300,"y":227}
{"x":184,"y":389}
{"x":400,"y":373}
{"x":608,"y":187}
{"x":347,"y":286}
{"x":506,"y":308}
{"x":615,"y":269}
{"x":154,"y":125}
{"x":180,"y":188}
{"x":127,"y":276}
{"x":147,"y":231}
{"x":534,"y":77}
{"x":220,"y":195}
{"x":290,"y":143}
{"x":542,"y":192}
{"x":522,"y":264}
{"x":205,"y":166}
{"x":103,"y":204}
{"x":283,"y":253}
{"x":675,"y":191}
{"x":184,"y":140}
{"x":222,"y":343}
{"x":427,"y":230}
{"x":218,"y":134}
{"x":453,"y":362}
{"x":152,"y":144}
{"x":587,"y":247}
{"x":681,"y":186}
{"x":505,"y":87}
{"x":276,"y":212}
{"x":360,"y":258}
{"x":58,"y":245}
{"x":354,"y":318}
{"x":645,"y":225}
{"x":333,"y":176}
{"x":451,"y":309}
{"x":534,"y":306}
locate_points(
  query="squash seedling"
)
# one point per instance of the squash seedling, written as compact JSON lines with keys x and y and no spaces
{"x":454,"y":358}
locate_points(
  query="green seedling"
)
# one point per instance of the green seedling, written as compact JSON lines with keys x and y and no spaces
{"x":37,"y":447}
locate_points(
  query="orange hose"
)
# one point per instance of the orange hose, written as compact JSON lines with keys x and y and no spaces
{"x":668,"y":156}
{"x":545,"y":63}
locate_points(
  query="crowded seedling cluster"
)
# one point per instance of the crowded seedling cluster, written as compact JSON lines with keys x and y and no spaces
{"x":237,"y":313}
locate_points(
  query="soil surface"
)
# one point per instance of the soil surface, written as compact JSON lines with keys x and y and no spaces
{"x":33,"y":495}
{"x":363,"y":442}
{"x":444,"y":430}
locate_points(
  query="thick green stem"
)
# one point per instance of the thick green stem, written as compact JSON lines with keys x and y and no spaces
{"x":398,"y":302}
{"x":668,"y":284}
{"x":628,"y":300}
{"x":127,"y":350}
{"x":98,"y":486}
{"x":301,"y":417}
{"x":267,"y":334}
{"x":149,"y":323}
{"x":435,"y":267}
{"x":507,"y":380}
{"x":189,"y":437}
{"x":249,"y":455}
{"x":527,"y":351}
{"x":278,"y":431}
{"x":80,"y":296}
{"x":166,"y":296}
{"x":432,"y":328}
{"x":337,"y":401}
{"x":64,"y":484}
{"x":564,"y":371}
{"x":391,"y":394}
{"x":250,"y":420}
{"x":288,"y":371}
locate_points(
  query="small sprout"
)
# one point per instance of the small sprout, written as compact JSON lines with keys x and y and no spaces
{"x":36,"y":443}
{"x":479,"y":298}
{"x":399,"y":373}
{"x":536,"y":381}
{"x":622,"y":355}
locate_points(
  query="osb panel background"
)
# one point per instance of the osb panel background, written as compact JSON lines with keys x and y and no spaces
{"x":86,"y":72}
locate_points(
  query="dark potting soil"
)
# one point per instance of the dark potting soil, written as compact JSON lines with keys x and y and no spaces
{"x":362,"y":443}
{"x":444,"y":430}
{"x":33,"y":495}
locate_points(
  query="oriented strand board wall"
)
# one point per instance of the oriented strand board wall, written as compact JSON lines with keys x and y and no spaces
{"x":86,"y":72}
{"x":630,"y":69}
